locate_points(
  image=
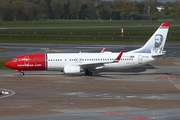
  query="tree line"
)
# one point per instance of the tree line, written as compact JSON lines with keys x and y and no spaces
{"x":13,"y":10}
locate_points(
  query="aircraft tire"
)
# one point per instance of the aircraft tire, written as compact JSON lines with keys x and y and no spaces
{"x":22,"y":73}
{"x":88,"y":73}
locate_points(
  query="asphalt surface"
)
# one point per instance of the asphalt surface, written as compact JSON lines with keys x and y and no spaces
{"x":150,"y":92}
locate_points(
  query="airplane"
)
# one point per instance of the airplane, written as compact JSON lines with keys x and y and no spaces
{"x":71,"y":63}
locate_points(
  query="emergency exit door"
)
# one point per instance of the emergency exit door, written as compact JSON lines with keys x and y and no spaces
{"x":140,"y":59}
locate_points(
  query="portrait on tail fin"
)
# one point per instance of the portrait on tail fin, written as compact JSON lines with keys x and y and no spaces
{"x":158,"y":44}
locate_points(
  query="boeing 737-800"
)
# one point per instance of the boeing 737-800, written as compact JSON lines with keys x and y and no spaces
{"x":71,"y":63}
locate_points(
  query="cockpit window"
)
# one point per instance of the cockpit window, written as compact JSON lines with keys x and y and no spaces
{"x":15,"y":59}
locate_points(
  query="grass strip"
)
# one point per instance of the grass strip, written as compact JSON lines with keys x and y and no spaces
{"x":2,"y":63}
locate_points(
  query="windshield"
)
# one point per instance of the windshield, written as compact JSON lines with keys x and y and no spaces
{"x":15,"y":59}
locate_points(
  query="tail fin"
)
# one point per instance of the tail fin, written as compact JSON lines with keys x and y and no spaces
{"x":155,"y":44}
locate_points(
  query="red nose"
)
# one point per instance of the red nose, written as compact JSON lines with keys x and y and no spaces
{"x":8,"y":64}
{"x":11,"y":64}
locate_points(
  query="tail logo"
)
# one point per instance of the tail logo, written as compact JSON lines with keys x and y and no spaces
{"x":158,"y":44}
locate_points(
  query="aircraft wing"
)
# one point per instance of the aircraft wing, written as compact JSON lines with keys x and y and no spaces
{"x":99,"y":64}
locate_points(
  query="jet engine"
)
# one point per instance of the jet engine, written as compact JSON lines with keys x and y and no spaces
{"x":71,"y":69}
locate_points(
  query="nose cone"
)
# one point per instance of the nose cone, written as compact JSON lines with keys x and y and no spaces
{"x":8,"y":64}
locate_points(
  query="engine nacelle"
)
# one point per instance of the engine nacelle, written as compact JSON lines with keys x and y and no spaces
{"x":71,"y":69}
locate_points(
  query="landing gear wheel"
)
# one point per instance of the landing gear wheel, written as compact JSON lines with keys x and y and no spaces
{"x":22,"y":73}
{"x":88,"y":73}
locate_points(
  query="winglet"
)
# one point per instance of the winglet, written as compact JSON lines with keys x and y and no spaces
{"x":119,"y":57}
{"x":103,"y":50}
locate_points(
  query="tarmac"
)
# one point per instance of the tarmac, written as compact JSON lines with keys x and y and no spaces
{"x":150,"y":92}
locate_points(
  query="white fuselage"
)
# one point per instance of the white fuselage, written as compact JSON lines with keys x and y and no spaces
{"x":57,"y":61}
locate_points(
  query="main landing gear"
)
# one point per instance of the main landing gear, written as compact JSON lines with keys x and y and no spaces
{"x":88,"y":73}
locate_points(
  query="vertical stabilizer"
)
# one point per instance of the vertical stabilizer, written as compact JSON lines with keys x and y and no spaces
{"x":155,"y":44}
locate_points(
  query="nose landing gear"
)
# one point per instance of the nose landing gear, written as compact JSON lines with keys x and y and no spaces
{"x":21,"y":72}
